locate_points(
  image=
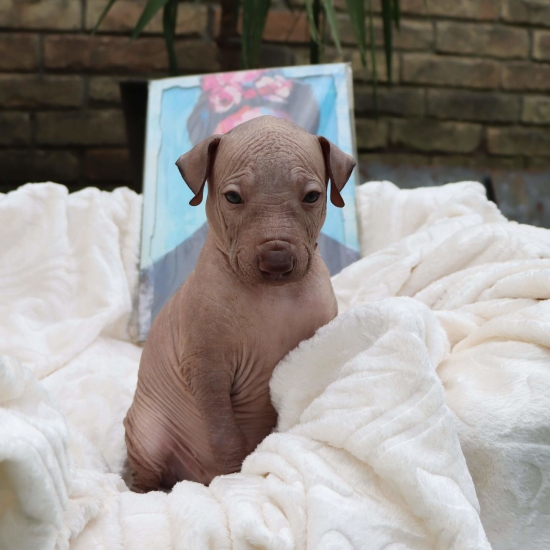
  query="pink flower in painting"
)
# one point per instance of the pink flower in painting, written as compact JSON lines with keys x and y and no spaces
{"x":223,"y":98}
{"x":274,"y":88}
{"x":227,"y":90}
{"x":212,"y":81}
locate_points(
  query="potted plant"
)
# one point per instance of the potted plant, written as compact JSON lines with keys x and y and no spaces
{"x":254,"y":15}
{"x":247,"y":46}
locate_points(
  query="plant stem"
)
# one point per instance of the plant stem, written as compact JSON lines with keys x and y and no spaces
{"x":314,"y":48}
{"x":229,"y":19}
{"x":228,"y":39}
{"x":373,"y":60}
{"x":169,"y":18}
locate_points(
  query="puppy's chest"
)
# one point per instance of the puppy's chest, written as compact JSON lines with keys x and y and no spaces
{"x":275,"y":327}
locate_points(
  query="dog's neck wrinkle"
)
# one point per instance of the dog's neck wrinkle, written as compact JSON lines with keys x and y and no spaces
{"x":213,"y":256}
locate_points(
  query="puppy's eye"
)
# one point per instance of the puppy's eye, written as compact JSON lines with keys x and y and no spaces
{"x":311,"y":197}
{"x":233,"y":198}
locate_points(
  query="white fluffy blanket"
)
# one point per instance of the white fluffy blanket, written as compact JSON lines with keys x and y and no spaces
{"x":431,"y":386}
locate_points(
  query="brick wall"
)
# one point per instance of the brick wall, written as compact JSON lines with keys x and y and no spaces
{"x":472,"y":84}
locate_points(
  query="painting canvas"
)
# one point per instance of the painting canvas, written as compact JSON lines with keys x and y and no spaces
{"x":183,"y":111}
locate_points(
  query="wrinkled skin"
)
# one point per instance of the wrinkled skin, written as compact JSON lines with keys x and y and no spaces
{"x":259,"y":288}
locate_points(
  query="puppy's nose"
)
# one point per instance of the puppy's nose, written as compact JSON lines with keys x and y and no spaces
{"x":276,"y":263}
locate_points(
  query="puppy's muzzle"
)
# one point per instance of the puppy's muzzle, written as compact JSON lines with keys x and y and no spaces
{"x":276,"y":261}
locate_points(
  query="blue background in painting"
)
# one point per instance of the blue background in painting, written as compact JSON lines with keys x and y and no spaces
{"x":175,"y":220}
{"x":324,"y":91}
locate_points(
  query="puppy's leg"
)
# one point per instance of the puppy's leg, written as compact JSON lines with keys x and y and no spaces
{"x":222,"y":436}
{"x":147,"y":454}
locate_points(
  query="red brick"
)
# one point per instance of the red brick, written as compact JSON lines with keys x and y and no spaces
{"x":124,"y":14}
{"x":285,"y":26}
{"x":215,"y":20}
{"x":526,"y":76}
{"x":541,"y":45}
{"x":40,"y":91}
{"x":371,"y":134}
{"x":192,"y":19}
{"x":340,"y":5}
{"x":391,"y":101}
{"x":478,"y":161}
{"x":330,"y":55}
{"x":104,"y":89}
{"x":460,"y":9}
{"x":414,"y":7}
{"x":476,"y":106}
{"x":536,"y":110}
{"x":345,"y":31}
{"x":428,"y":135}
{"x":359,"y":73}
{"x":118,"y":53}
{"x":19,"y":52}
{"x":450,"y":71}
{"x":108,"y":165}
{"x":517,"y":140}
{"x":15,"y":128}
{"x":411,"y":35}
{"x":102,"y":53}
{"x":197,"y":57}
{"x":280,"y":26}
{"x":81,"y":128}
{"x":21,"y":166}
{"x":535,"y":12}
{"x":392,"y":159}
{"x":44,"y":14}
{"x":539,"y":163}
{"x":403,"y":160}
{"x":482,"y":40}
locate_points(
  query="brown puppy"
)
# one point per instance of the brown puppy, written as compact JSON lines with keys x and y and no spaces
{"x":259,"y":288}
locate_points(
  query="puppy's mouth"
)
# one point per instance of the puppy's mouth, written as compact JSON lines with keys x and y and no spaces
{"x":275,"y":277}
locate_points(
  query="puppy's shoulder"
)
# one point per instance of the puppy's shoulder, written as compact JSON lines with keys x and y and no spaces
{"x":203,"y":311}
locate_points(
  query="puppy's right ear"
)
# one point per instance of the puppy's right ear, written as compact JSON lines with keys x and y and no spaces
{"x":196,"y":166}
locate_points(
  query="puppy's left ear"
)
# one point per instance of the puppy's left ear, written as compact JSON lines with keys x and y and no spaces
{"x":339,"y":167}
{"x":196,"y":166}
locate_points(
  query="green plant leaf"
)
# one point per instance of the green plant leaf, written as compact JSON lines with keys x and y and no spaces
{"x":315,"y":44}
{"x":373,"y":59}
{"x":149,"y":11}
{"x":313,"y":34}
{"x":387,"y":20}
{"x":396,"y":13}
{"x":330,"y":12}
{"x":236,"y":9}
{"x":254,"y":18}
{"x":356,"y":10}
{"x":169,"y":18}
{"x":323,"y":33}
{"x":103,"y":14}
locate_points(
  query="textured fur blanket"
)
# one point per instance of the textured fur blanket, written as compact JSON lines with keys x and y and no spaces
{"x":418,"y":418}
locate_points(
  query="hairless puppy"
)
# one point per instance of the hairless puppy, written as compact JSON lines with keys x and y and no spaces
{"x":259,"y":288}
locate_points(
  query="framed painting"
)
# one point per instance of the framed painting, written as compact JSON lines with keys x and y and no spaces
{"x":183,"y":111}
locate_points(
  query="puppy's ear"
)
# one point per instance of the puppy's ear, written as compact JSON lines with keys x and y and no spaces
{"x":339,"y":167}
{"x":196,"y":166}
